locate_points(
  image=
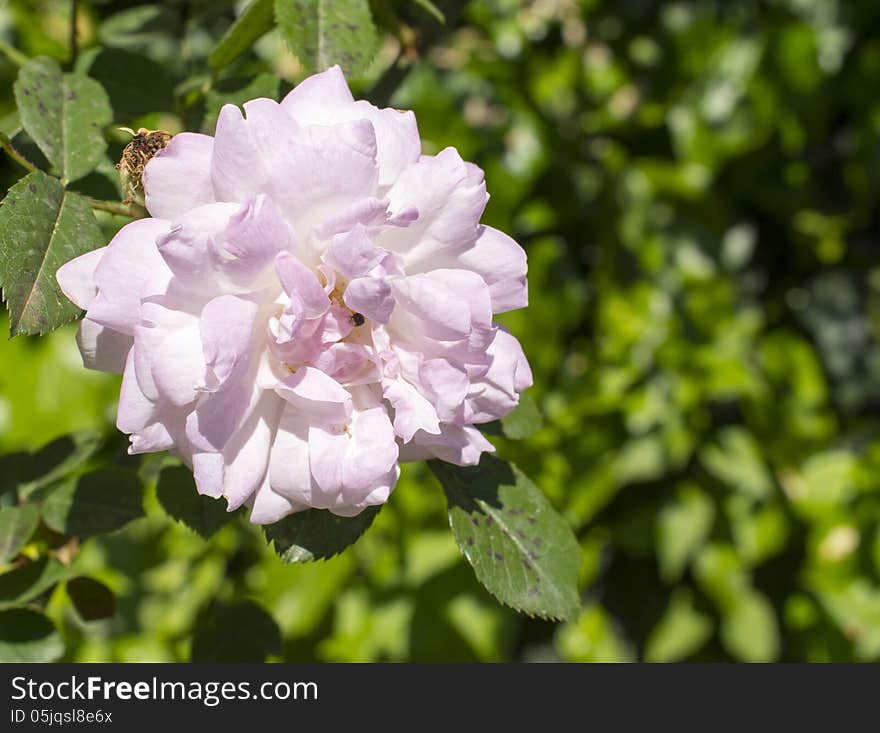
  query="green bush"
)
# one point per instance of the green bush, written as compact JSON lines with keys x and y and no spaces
{"x":697,"y":185}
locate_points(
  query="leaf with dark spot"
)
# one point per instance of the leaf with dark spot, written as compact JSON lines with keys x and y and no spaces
{"x":42,"y":226}
{"x":511,"y":567}
{"x":64,"y":114}
{"x":325,"y":32}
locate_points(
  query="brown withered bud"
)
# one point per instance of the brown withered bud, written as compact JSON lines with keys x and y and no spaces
{"x":144,"y":145}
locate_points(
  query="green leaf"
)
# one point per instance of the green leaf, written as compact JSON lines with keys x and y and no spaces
{"x":26,"y":582}
{"x":432,"y":10}
{"x":322,"y":33}
{"x":524,"y":420}
{"x":256,"y":20}
{"x":27,"y":636}
{"x":92,"y":599}
{"x":153,"y":31}
{"x":57,"y":459}
{"x":17,"y":524}
{"x":64,"y":114}
{"x":97,"y":502}
{"x":42,"y":226}
{"x":680,"y":632}
{"x":593,"y":637}
{"x":13,"y":468}
{"x":682,"y":529}
{"x":317,"y":534}
{"x":177,"y":494}
{"x":240,"y":632}
{"x":749,"y":629}
{"x":10,"y":124}
{"x":737,"y":461}
{"x":521,"y":549}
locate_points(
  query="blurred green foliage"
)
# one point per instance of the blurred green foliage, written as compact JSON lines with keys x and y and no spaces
{"x":697,"y":185}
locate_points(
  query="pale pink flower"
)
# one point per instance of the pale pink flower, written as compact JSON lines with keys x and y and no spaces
{"x":310,"y":304}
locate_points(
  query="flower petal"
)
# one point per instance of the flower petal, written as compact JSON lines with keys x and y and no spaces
{"x":370,"y":297}
{"x":317,"y":395}
{"x":130,"y":270}
{"x":178,"y":178}
{"x":450,"y":198}
{"x":103,"y":349}
{"x":76,"y":278}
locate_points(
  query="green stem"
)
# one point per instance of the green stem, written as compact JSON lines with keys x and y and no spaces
{"x":13,"y":54}
{"x":74,"y":45}
{"x":6,"y":144}
{"x":117,"y":207}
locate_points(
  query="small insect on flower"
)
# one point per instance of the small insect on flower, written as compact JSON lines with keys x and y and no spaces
{"x":144,"y":145}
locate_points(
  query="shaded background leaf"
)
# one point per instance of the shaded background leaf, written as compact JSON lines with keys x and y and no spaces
{"x":92,"y":599}
{"x":17,"y":524}
{"x":28,"y":636}
{"x":239,"y":632}
{"x":257,"y":19}
{"x":97,"y":502}
{"x":317,"y":534}
{"x":176,"y":491}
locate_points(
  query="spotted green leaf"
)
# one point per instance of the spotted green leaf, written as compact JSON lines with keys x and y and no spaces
{"x":521,"y":549}
{"x":64,"y":114}
{"x":42,"y":226}
{"x":322,"y":33}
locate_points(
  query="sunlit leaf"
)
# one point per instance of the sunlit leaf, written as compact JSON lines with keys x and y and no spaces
{"x":64,"y":114}
{"x":322,"y":33}
{"x":522,"y":551}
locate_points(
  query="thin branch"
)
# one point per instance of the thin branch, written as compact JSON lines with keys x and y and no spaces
{"x":74,"y":44}
{"x":6,"y":144}
{"x":132,"y":211}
